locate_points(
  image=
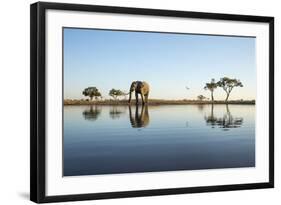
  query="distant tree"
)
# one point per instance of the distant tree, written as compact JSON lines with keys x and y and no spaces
{"x":211,"y":87}
{"x":227,"y":84}
{"x":98,"y":95}
{"x":115,"y":93}
{"x":91,"y":92}
{"x":201,"y":97}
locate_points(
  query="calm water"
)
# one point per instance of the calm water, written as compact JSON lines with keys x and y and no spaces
{"x":123,"y":139}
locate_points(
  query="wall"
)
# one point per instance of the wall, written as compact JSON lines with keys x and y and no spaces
{"x":14,"y":103}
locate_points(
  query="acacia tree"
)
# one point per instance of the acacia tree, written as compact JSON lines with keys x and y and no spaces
{"x":91,"y":92}
{"x":211,"y":87}
{"x":201,"y":97}
{"x":227,"y":84}
{"x":115,"y":93}
{"x":97,"y":95}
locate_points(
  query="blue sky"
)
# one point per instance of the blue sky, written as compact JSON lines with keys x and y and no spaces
{"x":168,"y":62}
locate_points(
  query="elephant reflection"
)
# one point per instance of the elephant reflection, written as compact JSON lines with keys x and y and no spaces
{"x":226,"y":122}
{"x":115,"y":112}
{"x":140,"y":119}
{"x":92,"y":113}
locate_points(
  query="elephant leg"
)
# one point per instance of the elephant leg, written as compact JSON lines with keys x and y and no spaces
{"x":137,"y":117}
{"x":142,"y":99}
{"x":142,"y":112}
{"x":137,"y":97}
{"x":132,"y":119}
{"x":146,"y":98}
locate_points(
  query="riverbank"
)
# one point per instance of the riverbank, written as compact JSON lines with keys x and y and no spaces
{"x":155,"y":102}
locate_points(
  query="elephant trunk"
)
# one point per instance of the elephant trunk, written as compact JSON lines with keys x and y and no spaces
{"x":130,"y":96}
{"x":132,"y":88}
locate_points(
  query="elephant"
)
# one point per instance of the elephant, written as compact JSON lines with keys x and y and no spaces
{"x":139,"y":120}
{"x":142,"y":88}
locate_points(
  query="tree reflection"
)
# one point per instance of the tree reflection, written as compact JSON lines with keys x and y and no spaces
{"x":226,"y":122}
{"x":140,"y":119}
{"x":115,"y":112}
{"x":200,"y":107}
{"x":92,"y":113}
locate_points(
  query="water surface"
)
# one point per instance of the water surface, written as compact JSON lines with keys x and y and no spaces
{"x":127,"y":139}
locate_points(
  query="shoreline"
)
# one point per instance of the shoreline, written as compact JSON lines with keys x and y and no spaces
{"x":156,"y":102}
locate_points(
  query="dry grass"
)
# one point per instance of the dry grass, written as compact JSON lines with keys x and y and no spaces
{"x":153,"y":102}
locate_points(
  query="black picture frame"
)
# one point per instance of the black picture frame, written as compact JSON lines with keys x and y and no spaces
{"x":38,"y":101}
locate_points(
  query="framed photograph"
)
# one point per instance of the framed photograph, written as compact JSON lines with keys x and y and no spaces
{"x":129,"y":102}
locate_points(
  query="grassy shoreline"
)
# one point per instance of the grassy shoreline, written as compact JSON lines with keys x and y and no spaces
{"x":155,"y":102}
